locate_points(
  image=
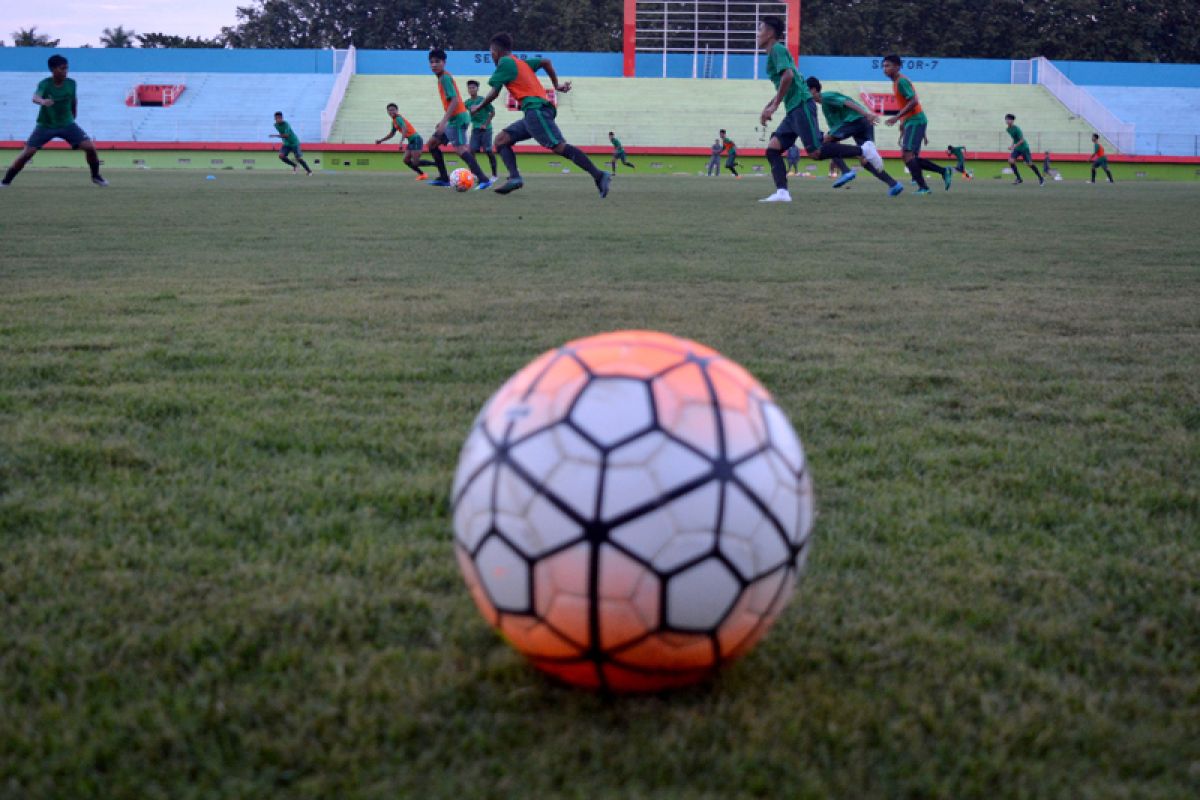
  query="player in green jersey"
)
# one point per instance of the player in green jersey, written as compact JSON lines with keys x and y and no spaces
{"x":56,"y":120}
{"x":452,"y":129}
{"x":481,"y":124}
{"x":913,"y":124}
{"x":847,"y":119}
{"x":410,"y":140}
{"x":618,"y":153}
{"x":291,"y":144}
{"x":800,"y":121}
{"x":1020,"y":151}
{"x":960,"y":155}
{"x":1099,"y":159}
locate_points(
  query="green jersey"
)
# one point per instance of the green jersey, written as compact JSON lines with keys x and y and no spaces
{"x":616,"y":143}
{"x":522,"y":84}
{"x":1017,"y":136}
{"x":62,"y":113}
{"x":958,"y":152}
{"x":482,"y":120}
{"x":905,"y":91}
{"x":837,"y":112}
{"x":779,"y":61}
{"x":289,"y":136}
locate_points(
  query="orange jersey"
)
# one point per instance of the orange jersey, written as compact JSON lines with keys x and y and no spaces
{"x":403,"y":126}
{"x":897,"y":83}
{"x":1099,"y":152}
{"x":526,"y":83}
{"x":451,"y":98}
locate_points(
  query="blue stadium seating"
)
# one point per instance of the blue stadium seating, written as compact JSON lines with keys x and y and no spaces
{"x":1167,"y":119}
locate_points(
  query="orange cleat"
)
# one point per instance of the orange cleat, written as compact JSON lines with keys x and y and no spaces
{"x":422,"y":177}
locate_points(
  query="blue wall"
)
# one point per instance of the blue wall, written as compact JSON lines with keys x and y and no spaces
{"x":581,"y":65}
{"x":104,"y":59}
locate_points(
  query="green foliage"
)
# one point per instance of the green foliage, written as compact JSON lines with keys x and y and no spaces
{"x":117,"y":37}
{"x":228,"y":433}
{"x":155,"y":40}
{"x":29,"y":37}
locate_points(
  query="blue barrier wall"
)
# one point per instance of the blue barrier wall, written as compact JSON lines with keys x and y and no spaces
{"x":132,"y":59}
{"x":1097,"y":73}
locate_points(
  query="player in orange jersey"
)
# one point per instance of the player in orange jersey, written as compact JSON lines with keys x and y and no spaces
{"x":409,"y":139}
{"x":520,"y":78}
{"x":453,"y":128}
{"x":913,"y":122}
{"x":1099,"y":159}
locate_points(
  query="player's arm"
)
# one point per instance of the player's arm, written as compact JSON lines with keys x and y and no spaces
{"x":390,"y":134}
{"x":871,"y":116}
{"x":912,"y":103}
{"x":44,"y":102}
{"x":553,"y":76}
{"x":785,"y":83}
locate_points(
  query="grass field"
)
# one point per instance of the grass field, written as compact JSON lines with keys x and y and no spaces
{"x":230,"y":411}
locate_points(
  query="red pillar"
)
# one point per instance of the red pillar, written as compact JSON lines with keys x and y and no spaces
{"x":630,"y":38}
{"x":793,"y":28}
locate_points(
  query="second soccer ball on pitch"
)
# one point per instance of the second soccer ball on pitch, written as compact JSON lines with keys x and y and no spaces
{"x":463,"y":180}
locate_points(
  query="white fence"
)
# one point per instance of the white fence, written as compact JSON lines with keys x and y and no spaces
{"x":1080,"y":103}
{"x":345,"y":71}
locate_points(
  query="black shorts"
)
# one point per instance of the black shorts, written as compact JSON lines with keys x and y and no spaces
{"x":800,"y":123}
{"x":861,"y":130}
{"x":72,"y":134}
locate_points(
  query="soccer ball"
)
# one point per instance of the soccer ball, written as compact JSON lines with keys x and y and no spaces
{"x":463,"y":180}
{"x":632,"y":511}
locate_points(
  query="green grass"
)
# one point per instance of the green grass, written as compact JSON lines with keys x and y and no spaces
{"x":230,"y":412}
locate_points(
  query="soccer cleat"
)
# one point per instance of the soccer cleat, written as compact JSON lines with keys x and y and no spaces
{"x":422,"y":177}
{"x":4,"y":185}
{"x":871,"y":154}
{"x":1041,"y":182}
{"x":295,"y":170}
{"x":924,"y":191}
{"x":438,"y":182}
{"x":486,"y":184}
{"x":603,"y":183}
{"x":99,"y":181}
{"x":896,"y":189}
{"x":947,"y":177}
{"x":778,"y":196}
{"x":1017,"y":182}
{"x":511,"y":185}
{"x":842,"y":181}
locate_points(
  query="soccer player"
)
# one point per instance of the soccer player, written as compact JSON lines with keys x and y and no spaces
{"x":1020,"y":150}
{"x":412,"y":150}
{"x":729,"y":152}
{"x":960,"y":155}
{"x":618,"y":153}
{"x":481,"y":124}
{"x":1099,"y":159}
{"x":714,"y":161}
{"x":793,"y":161}
{"x":913,"y":123}
{"x":59,"y":104}
{"x":520,"y":78}
{"x":800,"y":121}
{"x":847,"y":118}
{"x":452,"y":129}
{"x":291,"y":144}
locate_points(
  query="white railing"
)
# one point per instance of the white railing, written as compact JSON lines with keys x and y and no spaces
{"x":344,"y":72}
{"x":1080,"y":103}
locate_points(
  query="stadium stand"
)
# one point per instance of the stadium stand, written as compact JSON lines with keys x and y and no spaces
{"x":678,"y":112}
{"x":1167,"y":118}
{"x":215,"y":107}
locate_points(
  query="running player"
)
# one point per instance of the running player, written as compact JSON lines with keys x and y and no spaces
{"x":618,"y":153}
{"x":520,"y":78}
{"x":1099,"y":159}
{"x":960,"y":155}
{"x":801,"y":119}
{"x":849,"y":119}
{"x":1020,"y":151}
{"x":291,"y":144}
{"x":481,"y":124}
{"x":714,"y":161}
{"x":729,"y":153}
{"x":452,"y":129}
{"x":913,"y":123}
{"x":412,"y":150}
{"x":56,"y":120}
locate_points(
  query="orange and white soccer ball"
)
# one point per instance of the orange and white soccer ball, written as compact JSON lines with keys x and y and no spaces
{"x":463,"y":180}
{"x":632,"y":511}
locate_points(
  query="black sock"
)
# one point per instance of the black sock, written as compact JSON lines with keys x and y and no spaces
{"x":510,"y":162}
{"x":581,"y":160}
{"x":778,"y":169}
{"x":1093,"y":174}
{"x":1109,"y":174}
{"x":733,"y":169}
{"x":288,"y":161}
{"x":12,"y":173}
{"x":93,"y":162}
{"x":929,"y":166}
{"x":1035,"y":172}
{"x":882,"y":175}
{"x":628,"y":164}
{"x":839,"y":151}
{"x":414,"y":168}
{"x":492,"y":158}
{"x":304,"y":164}
{"x":1016,"y":171}
{"x":914,"y":169}
{"x":439,"y":161}
{"x":473,"y":165}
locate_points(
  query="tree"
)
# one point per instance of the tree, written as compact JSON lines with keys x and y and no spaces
{"x":29,"y":37}
{"x":159,"y":40}
{"x":117,"y":37}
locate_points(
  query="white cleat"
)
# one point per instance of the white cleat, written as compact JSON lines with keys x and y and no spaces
{"x":871,"y":153}
{"x":780,"y":196}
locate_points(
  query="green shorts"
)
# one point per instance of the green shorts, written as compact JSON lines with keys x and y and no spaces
{"x":1022,"y":154}
{"x":913,"y":137}
{"x":1100,"y":162}
{"x":415,"y":143}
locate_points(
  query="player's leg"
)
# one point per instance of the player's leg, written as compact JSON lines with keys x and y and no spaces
{"x":435,"y":151}
{"x":300,"y":160}
{"x":911,"y":146}
{"x":731,"y":165}
{"x":284,"y":152}
{"x":1012,"y":163}
{"x":485,"y":143}
{"x":541,"y":124}
{"x":864,"y":133}
{"x":781,"y":140}
{"x":946,"y":173}
{"x":517,"y":132}
{"x":32,"y":145}
{"x":1033,"y":166}
{"x":93,"y":161}
{"x":1108,"y":172}
{"x":457,"y":136}
{"x":1093,"y":172}
{"x":626,"y":161}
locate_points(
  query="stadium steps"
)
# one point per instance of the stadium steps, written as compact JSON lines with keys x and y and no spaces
{"x":1167,"y":119}
{"x":670,"y":112}
{"x":215,"y":107}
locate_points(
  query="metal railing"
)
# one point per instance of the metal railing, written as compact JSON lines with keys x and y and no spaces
{"x":1081,"y":103}
{"x":345,"y":71}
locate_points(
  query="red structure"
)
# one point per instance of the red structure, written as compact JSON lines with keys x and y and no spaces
{"x":154,"y":94}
